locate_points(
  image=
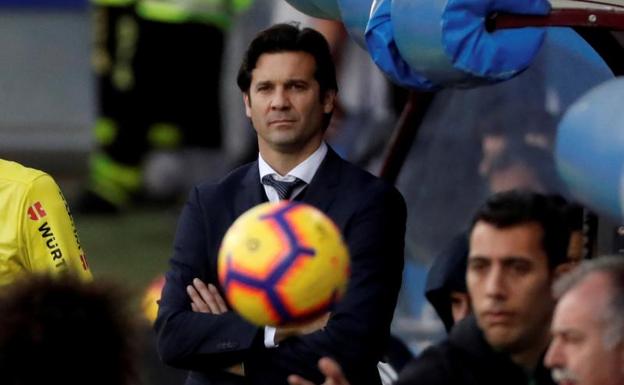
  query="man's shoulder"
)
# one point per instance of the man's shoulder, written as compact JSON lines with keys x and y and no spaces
{"x":476,"y":359}
{"x":459,"y":359}
{"x":13,"y":172}
{"x":364,"y":181}
{"x":20,"y":181}
{"x":229,"y":183}
{"x":452,"y":362}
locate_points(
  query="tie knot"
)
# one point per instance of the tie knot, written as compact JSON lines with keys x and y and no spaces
{"x":284,"y":189}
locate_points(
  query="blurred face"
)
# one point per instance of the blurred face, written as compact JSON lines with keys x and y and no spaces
{"x":509,"y":285}
{"x":492,"y":146}
{"x":460,"y":305}
{"x":515,"y":176}
{"x":284,"y":103}
{"x":578,"y":354}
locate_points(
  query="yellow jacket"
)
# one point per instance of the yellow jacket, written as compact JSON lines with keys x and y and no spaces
{"x":37,"y":232}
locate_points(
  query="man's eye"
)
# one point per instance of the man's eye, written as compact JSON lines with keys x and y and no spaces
{"x":571,"y":338}
{"x":298,"y":86}
{"x":477,"y":266}
{"x":520,"y":267}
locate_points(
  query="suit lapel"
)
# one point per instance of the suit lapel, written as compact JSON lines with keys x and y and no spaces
{"x":250,"y":193}
{"x":323,"y":188}
{"x":319,"y":193}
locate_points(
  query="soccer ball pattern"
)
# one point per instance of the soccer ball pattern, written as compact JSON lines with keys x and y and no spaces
{"x":283,"y":263}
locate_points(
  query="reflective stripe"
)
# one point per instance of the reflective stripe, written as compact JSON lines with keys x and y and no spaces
{"x":164,"y":135}
{"x":105,"y":131}
{"x":113,"y":181}
{"x":162,"y":12}
{"x":110,"y":192}
{"x":241,"y":5}
{"x":216,"y":12}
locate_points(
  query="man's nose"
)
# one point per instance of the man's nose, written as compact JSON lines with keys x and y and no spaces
{"x":495,"y":284}
{"x":554,"y":356}
{"x":280,"y":100}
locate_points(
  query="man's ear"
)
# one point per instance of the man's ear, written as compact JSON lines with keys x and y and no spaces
{"x":247,"y":102}
{"x":329,"y":101}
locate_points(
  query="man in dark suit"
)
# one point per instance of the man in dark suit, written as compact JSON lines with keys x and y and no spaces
{"x":289,"y":88}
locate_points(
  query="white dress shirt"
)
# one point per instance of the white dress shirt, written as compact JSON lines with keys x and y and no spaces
{"x":304,"y":171}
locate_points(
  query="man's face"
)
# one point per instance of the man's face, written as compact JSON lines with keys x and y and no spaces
{"x":509,"y":284}
{"x":284,"y":103}
{"x":578,"y":353}
{"x":460,"y":305}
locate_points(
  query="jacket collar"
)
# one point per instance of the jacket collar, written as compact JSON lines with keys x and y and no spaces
{"x":467,"y":336}
{"x":320,"y":193}
{"x":323,"y":188}
{"x":250,"y":191}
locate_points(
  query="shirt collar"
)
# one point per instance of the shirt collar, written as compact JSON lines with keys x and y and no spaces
{"x":304,"y":170}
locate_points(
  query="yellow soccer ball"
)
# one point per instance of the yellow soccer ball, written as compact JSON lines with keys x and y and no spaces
{"x":283,"y":263}
{"x":151,"y":296}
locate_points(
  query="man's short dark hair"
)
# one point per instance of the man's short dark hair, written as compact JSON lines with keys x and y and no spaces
{"x":66,"y":332}
{"x":290,"y":38}
{"x":516,"y":207}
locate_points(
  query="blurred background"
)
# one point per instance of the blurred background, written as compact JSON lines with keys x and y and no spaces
{"x":128,"y":107}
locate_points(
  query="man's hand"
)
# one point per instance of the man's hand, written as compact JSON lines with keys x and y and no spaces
{"x":330,"y":369}
{"x":284,"y":332}
{"x":205,"y":298}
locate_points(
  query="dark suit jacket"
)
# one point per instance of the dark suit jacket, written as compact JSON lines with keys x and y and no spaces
{"x":371,"y":215}
{"x":466,"y":358}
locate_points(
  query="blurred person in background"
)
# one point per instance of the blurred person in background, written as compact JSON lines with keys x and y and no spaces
{"x":37,"y":231}
{"x":516,"y":150}
{"x":363,"y":121}
{"x":158,"y":68}
{"x":524,"y":167}
{"x":509,"y":126}
{"x":446,"y":283}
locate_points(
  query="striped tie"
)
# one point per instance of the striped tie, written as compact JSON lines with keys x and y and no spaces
{"x":284,"y":189}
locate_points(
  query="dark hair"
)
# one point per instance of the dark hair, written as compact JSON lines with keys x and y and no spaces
{"x":517,"y":207}
{"x":288,"y":38}
{"x":66,"y":332}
